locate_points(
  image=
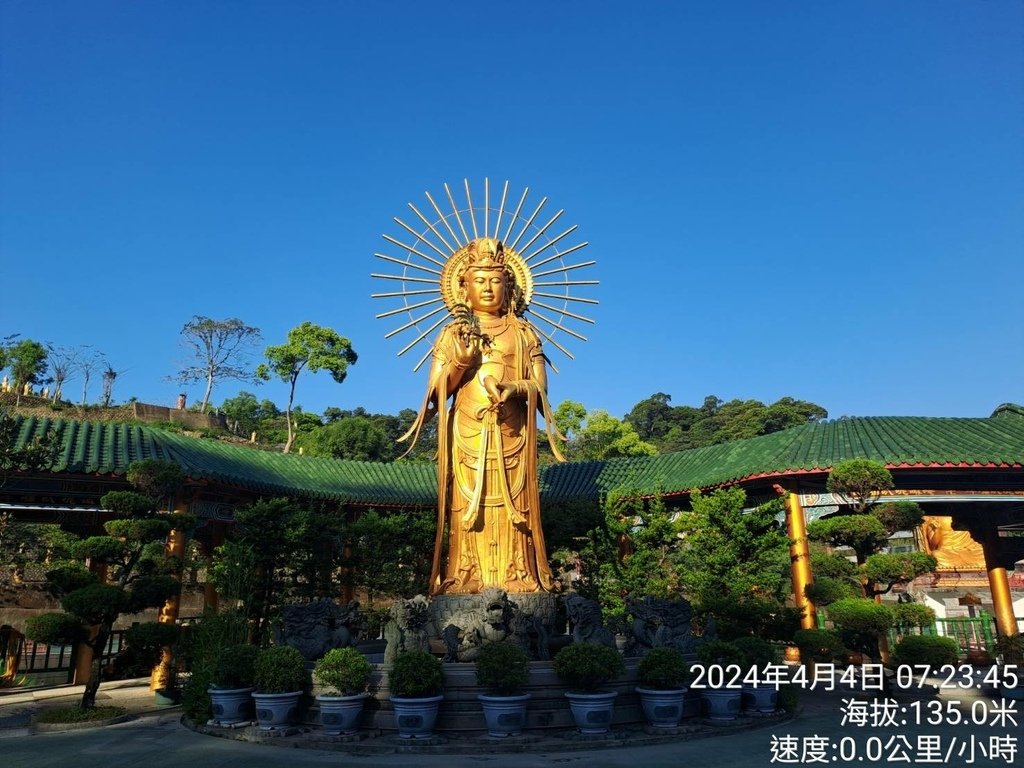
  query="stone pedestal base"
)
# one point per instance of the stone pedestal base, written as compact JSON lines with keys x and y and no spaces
{"x":534,"y":616}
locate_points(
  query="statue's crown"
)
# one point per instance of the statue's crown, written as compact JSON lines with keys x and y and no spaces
{"x":485,"y":253}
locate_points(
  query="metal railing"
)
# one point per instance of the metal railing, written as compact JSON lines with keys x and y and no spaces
{"x":37,"y":658}
{"x":972,"y":633}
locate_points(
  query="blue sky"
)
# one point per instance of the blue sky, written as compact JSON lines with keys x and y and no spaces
{"x":820,"y":200}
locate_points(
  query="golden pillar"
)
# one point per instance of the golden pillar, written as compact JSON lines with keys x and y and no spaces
{"x":998,"y":583}
{"x":799,"y":558}
{"x":161,"y":676}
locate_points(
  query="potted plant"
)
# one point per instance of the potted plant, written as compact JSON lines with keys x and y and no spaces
{"x":664,"y":675}
{"x":280,"y":678}
{"x":345,"y":672}
{"x":503,"y":669}
{"x":756,"y":656}
{"x":720,"y":679}
{"x":416,"y":680}
{"x":231,"y":684}
{"x":585,"y":668}
{"x":146,"y":643}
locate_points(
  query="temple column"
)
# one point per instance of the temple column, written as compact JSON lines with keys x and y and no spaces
{"x":799,"y":557}
{"x":998,"y":583}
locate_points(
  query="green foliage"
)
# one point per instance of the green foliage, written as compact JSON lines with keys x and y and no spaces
{"x":819,"y":645}
{"x":387,"y":552}
{"x":677,"y":428}
{"x":663,"y":669}
{"x":156,"y":478}
{"x":415,"y":675}
{"x":864,"y":534}
{"x":833,"y":566}
{"x":53,"y":628}
{"x":502,"y":669}
{"x":860,"y":481}
{"x":235,"y":667}
{"x":30,"y":456}
{"x":309,"y":347}
{"x":27,"y":361}
{"x":719,"y":652}
{"x":355,"y":438}
{"x":755,"y":652}
{"x":751,"y":615}
{"x":345,"y":671}
{"x":128,"y":503}
{"x":825,"y":590}
{"x":887,"y":569}
{"x":139,"y":530}
{"x":67,"y":577}
{"x":597,"y":435}
{"x":245,"y":415}
{"x":923,"y":649}
{"x":727,"y":552}
{"x":103,"y":549}
{"x":586,"y":667}
{"x":279,"y":669}
{"x":913,"y":615}
{"x":151,"y":591}
{"x":1011,"y":648}
{"x":861,"y":622}
{"x":147,"y":641}
{"x":898,"y":515}
{"x":96,"y":603}
{"x":201,"y":643}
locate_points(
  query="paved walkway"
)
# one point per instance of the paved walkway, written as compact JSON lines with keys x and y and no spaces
{"x":893,"y":732}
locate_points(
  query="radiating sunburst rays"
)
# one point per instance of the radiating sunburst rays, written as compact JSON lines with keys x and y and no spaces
{"x":422,"y":285}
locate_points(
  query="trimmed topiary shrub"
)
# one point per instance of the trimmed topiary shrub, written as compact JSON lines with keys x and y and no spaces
{"x":924,"y":649}
{"x":234,"y":667}
{"x":345,"y":671}
{"x":819,"y":645}
{"x":416,"y":675}
{"x":279,"y":669}
{"x":503,"y":669}
{"x":663,"y":669}
{"x":586,"y":667}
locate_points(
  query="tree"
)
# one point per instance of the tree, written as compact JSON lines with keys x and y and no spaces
{"x":32,"y":455}
{"x":220,"y":349}
{"x":311,"y":347}
{"x":133,"y":551}
{"x":245,"y":414}
{"x":387,"y":551}
{"x":358,"y":438}
{"x":596,"y":435}
{"x":109,"y":377}
{"x":63,"y":362}
{"x":89,"y":361}
{"x":860,"y":482}
{"x":27,"y":360}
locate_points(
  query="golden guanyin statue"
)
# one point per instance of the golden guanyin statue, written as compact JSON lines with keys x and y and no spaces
{"x":487,"y":387}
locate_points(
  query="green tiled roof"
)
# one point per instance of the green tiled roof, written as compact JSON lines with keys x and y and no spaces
{"x":899,"y":442}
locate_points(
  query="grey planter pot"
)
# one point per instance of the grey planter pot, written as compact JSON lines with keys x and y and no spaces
{"x":231,"y":705}
{"x":276,"y":710}
{"x":339,"y":715}
{"x":415,"y":718}
{"x":723,"y":703}
{"x":662,"y":708}
{"x":760,"y":698}
{"x":592,"y":711}
{"x":504,"y":715}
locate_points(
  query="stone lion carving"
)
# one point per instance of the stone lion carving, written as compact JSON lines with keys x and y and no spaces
{"x":660,"y":622}
{"x":315,"y":628}
{"x":471,"y":629}
{"x":410,"y":628}
{"x":587,"y":621}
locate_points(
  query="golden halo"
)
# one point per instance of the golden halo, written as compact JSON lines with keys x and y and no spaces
{"x":433,"y":254}
{"x":456,"y":265}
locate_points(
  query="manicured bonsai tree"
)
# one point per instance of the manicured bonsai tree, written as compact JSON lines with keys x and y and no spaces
{"x":755,"y":653}
{"x":719,"y":652}
{"x":819,"y":645}
{"x":926,"y":649}
{"x":1011,"y":648}
{"x":861,"y":623}
{"x":585,"y":667}
{"x":139,"y":572}
{"x":416,"y":675}
{"x":663,"y":669}
{"x":279,"y":669}
{"x":345,"y":671}
{"x":503,"y":669}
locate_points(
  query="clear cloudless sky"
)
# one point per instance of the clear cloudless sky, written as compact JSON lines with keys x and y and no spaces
{"x":820,"y":200}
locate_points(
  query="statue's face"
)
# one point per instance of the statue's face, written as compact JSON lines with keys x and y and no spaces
{"x":485,"y":289}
